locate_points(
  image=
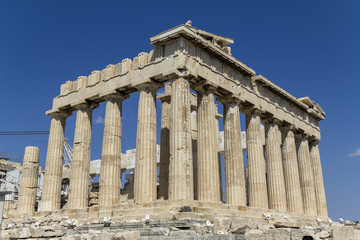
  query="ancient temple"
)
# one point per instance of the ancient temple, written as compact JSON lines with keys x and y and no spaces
{"x":282,"y":178}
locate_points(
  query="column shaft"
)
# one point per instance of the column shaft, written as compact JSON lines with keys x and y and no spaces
{"x":80,"y":165}
{"x":234,"y":164}
{"x":110,"y":171}
{"x":291,"y":173}
{"x":318,"y":180}
{"x":257,"y":189}
{"x":51,"y":193}
{"x":164,"y":150}
{"x":29,"y":181}
{"x":208,"y":165}
{"x":181,"y":165}
{"x":218,"y":141}
{"x":194,"y":147}
{"x":306,"y":177}
{"x":145,"y":162}
{"x":275,"y":172}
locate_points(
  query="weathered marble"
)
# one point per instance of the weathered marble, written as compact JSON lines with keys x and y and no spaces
{"x":234,"y":164}
{"x":51,"y":193}
{"x":110,"y":172}
{"x":80,"y":165}
{"x":208,"y":164}
{"x":29,"y":181}
{"x":275,"y":171}
{"x":257,"y":188}
{"x":145,"y":163}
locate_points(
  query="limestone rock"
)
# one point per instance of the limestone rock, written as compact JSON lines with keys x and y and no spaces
{"x":221,"y":225}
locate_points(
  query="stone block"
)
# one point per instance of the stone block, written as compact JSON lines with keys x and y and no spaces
{"x":277,"y":234}
{"x":323,"y":234}
{"x":255,"y":235}
{"x":239,"y":225}
{"x":24,"y":233}
{"x":159,"y":231}
{"x":298,"y":234}
{"x":221,"y":225}
{"x":126,"y":236}
{"x":356,"y":234}
{"x":341,"y":232}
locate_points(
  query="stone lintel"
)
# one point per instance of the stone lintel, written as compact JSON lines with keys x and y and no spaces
{"x":131,"y":80}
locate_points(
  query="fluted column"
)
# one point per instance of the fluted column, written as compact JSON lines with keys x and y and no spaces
{"x":51,"y":193}
{"x":193,"y":103}
{"x":318,"y":179}
{"x":208,"y":166}
{"x":110,"y":171}
{"x":275,"y":172}
{"x":257,"y":189}
{"x":80,"y":164}
{"x":181,"y":165}
{"x":306,"y":175}
{"x":165,"y":142}
{"x":218,"y":140}
{"x":29,"y":181}
{"x":145,"y":162}
{"x":234,"y":164}
{"x":291,"y":172}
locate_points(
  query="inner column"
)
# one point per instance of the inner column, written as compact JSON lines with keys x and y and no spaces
{"x":145,"y":160}
{"x":110,"y":171}
{"x":275,"y":172}
{"x":257,"y":188}
{"x":80,"y":164}
{"x":306,"y":175}
{"x":165,"y":142}
{"x":291,"y":171}
{"x":208,"y":166}
{"x":181,"y":165}
{"x":234,"y":164}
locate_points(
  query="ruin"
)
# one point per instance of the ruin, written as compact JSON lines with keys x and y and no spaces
{"x":280,"y":191}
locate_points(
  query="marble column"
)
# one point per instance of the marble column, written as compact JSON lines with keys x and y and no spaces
{"x":291,"y":172}
{"x":234,"y":164}
{"x":181,"y":165}
{"x":110,"y":171}
{"x":306,"y":175}
{"x":318,"y":179}
{"x":80,"y":164}
{"x":193,"y":103}
{"x":208,"y":165}
{"x":145,"y":188}
{"x":165,"y":142}
{"x":218,"y":142}
{"x":257,"y":189}
{"x":29,"y":181}
{"x":51,"y":193}
{"x":275,"y":172}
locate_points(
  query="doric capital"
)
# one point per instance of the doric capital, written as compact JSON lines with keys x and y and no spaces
{"x":271,"y":120}
{"x":301,"y":135}
{"x":116,"y":96}
{"x":61,"y":114}
{"x":151,"y":85}
{"x":251,"y":110}
{"x":202,"y":86}
{"x":86,"y":106}
{"x":284,"y":127}
{"x":229,"y":99}
{"x":313,"y":140}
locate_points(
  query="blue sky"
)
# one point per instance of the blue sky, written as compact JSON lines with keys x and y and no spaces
{"x":309,"y":48}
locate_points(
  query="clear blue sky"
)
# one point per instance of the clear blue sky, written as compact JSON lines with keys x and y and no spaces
{"x":309,"y":48}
